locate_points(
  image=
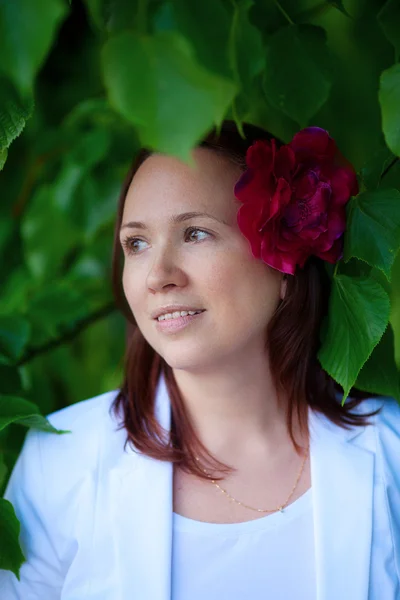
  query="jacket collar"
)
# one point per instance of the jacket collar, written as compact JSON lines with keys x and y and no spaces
{"x":342,"y":484}
{"x":342,"y":492}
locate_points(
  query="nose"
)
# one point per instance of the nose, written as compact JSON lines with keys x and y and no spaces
{"x":165,"y":270}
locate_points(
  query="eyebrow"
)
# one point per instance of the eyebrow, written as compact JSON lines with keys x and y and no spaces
{"x":174,"y":219}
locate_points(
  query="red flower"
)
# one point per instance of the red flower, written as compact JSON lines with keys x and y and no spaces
{"x":294,"y":199}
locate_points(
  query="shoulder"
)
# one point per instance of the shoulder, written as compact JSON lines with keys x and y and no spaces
{"x":94,"y":431}
{"x":64,"y":461}
{"x":386,"y":421}
{"x":386,"y":430}
{"x":386,"y":426}
{"x":380,"y":435}
{"x":86,"y":421}
{"x":89,"y":425}
{"x":388,"y":418}
{"x":382,"y":438}
{"x":96,"y":407}
{"x":54,"y":484}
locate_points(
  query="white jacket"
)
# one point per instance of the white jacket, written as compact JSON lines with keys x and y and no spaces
{"x":96,"y":521}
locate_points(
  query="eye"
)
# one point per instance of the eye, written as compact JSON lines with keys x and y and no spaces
{"x":195,"y":230}
{"x":130,"y":243}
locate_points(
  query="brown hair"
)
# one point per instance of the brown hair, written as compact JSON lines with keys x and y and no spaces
{"x":292,"y":337}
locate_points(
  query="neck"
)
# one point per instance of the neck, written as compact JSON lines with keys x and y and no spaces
{"x":237,"y":413}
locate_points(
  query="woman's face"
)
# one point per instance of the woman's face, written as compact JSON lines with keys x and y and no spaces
{"x":202,"y":262}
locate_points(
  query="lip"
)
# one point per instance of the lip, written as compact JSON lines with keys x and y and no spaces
{"x":173,"y":325}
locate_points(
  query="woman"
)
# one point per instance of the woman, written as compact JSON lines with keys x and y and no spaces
{"x":225,"y":466}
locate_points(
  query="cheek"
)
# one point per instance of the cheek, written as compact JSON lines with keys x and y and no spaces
{"x":252,"y":287}
{"x":220,"y":278}
{"x":130,"y":287}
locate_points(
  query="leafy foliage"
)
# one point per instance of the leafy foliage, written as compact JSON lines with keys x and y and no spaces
{"x":26,"y":33}
{"x":13,"y":409}
{"x":297,"y":74}
{"x":11,"y":556}
{"x":359,"y":317}
{"x":389,"y":96}
{"x":171,"y":82}
{"x":374,"y":228}
{"x":14,"y":113}
{"x":85,"y":83}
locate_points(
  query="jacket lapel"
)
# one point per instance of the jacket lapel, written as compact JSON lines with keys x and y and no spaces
{"x":142,"y":519}
{"x":342,"y":483}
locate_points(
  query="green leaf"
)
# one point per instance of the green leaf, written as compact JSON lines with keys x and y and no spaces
{"x":15,"y":290}
{"x":55,"y":309}
{"x":339,"y":5}
{"x":125,"y":14}
{"x":389,"y":99}
{"x":3,"y":471}
{"x":163,"y":91}
{"x":358,"y":316}
{"x":224,"y":39}
{"x":27,"y":30}
{"x":246,"y":49}
{"x":3,"y":158}
{"x":90,"y":149}
{"x":378,"y":276}
{"x":391,"y":178}
{"x":253,"y":107}
{"x":298,"y":71}
{"x":373,"y":228}
{"x":66,"y":195}
{"x":90,"y":112}
{"x":11,"y":556}
{"x":356,"y":268}
{"x":10,"y":380}
{"x":62,"y":192}
{"x":373,"y":169}
{"x":23,"y":412}
{"x":207,"y":25}
{"x":96,"y":12}
{"x":389,"y":19}
{"x":96,"y":114}
{"x":395,"y":312}
{"x":48,"y":234}
{"x":93,"y":202}
{"x":380,"y":375}
{"x":14,"y":335}
{"x":13,"y":115}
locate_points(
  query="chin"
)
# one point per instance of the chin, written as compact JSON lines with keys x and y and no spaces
{"x":191,"y":362}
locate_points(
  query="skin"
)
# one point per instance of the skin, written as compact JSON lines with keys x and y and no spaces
{"x":219,"y":361}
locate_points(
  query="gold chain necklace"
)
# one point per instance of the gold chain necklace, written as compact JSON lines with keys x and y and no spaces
{"x":280,"y":508}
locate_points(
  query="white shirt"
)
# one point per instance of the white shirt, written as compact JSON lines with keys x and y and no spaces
{"x":270,"y":558}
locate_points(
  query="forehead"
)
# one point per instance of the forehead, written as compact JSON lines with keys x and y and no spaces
{"x":166,"y":183}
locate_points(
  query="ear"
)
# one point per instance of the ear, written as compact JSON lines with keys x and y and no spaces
{"x":283,"y":287}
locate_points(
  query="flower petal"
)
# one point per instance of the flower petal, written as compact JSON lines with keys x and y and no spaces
{"x":282,"y":261}
{"x":334,"y":253}
{"x":313,"y":142}
{"x":306,"y":184}
{"x":285,"y":163}
{"x":261,"y":154}
{"x":344,"y":185}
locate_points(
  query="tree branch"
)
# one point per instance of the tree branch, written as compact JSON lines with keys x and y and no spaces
{"x":80,"y":326}
{"x":283,"y":11}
